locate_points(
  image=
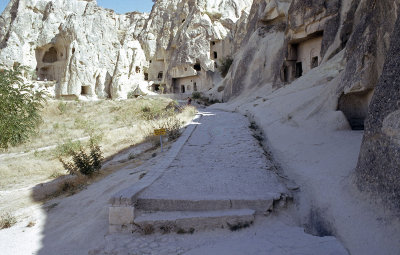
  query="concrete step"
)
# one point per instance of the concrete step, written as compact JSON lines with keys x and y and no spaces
{"x":161,"y":204}
{"x":190,"y":221}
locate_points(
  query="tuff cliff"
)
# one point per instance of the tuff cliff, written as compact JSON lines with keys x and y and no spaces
{"x":90,"y":51}
{"x":291,"y":42}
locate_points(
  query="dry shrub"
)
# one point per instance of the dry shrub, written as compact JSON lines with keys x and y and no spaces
{"x":31,"y":224}
{"x":71,"y":185}
{"x":7,"y":220}
{"x":148,"y":229}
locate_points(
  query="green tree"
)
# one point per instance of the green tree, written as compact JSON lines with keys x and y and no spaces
{"x":20,"y":107}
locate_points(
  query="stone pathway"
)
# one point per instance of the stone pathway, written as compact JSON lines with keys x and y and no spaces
{"x":220,"y":162}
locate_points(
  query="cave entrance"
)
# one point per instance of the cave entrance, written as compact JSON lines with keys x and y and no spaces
{"x":146,"y":76}
{"x":156,"y":87}
{"x":85,"y":90}
{"x":299,"y":69}
{"x":43,"y":74}
{"x":50,"y":56}
{"x":197,"y":67}
{"x":182,"y":89}
{"x":355,"y":107}
{"x":314,"y":62}
{"x":175,"y":85}
{"x":215,"y":55}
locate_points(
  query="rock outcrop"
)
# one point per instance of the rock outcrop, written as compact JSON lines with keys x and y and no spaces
{"x":286,"y":40}
{"x":91,"y":51}
{"x":185,"y":40}
{"x":86,"y":49}
{"x":378,"y":169}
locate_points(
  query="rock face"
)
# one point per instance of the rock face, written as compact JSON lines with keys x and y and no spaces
{"x":92,"y":51}
{"x":378,"y":167}
{"x":87,"y":50}
{"x":185,"y":40}
{"x":286,"y":40}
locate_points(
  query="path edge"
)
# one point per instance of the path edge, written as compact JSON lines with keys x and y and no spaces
{"x":122,"y":208}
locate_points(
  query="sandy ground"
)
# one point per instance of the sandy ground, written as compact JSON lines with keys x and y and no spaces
{"x":78,"y":225}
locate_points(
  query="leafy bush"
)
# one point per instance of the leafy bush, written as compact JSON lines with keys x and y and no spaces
{"x":84,"y":161}
{"x":196,"y":95}
{"x":19,"y":107}
{"x":224,"y":65}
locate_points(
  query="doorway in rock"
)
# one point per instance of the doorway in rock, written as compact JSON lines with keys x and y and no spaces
{"x":299,"y":69}
{"x":314,"y":62}
{"x":50,"y":56}
{"x":85,"y":90}
{"x":156,"y":88}
{"x":182,"y":89}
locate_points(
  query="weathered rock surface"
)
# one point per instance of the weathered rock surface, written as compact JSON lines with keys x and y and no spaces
{"x":285,"y":40}
{"x":86,"y":49}
{"x":378,"y":167}
{"x":92,"y":51}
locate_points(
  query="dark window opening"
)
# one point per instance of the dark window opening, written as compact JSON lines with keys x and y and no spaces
{"x":85,"y":90}
{"x":156,"y":88}
{"x":146,"y":76}
{"x":137,"y":69}
{"x":73,"y":50}
{"x":150,"y":61}
{"x":197,"y":67}
{"x":50,"y":56}
{"x":314,"y":62}
{"x":195,"y":86}
{"x":183,"y":20}
{"x":213,"y":43}
{"x":182,"y":89}
{"x":215,"y":55}
{"x":299,"y":69}
{"x":160,"y":75}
